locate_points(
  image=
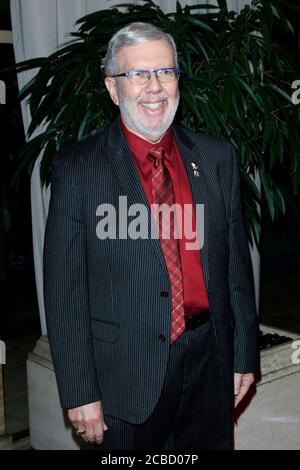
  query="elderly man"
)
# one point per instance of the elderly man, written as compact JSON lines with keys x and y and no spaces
{"x":153,"y":337}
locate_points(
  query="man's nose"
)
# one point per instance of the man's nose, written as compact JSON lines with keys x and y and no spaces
{"x":154,"y":84}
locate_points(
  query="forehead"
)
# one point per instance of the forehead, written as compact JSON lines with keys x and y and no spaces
{"x":150,"y":55}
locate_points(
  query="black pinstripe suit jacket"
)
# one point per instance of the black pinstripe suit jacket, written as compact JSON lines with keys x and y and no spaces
{"x":104,"y":311}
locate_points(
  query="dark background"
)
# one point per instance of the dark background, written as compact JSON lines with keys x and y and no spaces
{"x":18,"y":302}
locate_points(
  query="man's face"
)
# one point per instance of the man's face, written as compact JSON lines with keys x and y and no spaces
{"x":147,"y":110}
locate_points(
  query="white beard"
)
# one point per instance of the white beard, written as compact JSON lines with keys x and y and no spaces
{"x":129,"y":113}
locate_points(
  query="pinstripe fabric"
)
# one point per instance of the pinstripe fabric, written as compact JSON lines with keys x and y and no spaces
{"x":191,"y":413}
{"x":109,"y":327}
{"x":225,"y":255}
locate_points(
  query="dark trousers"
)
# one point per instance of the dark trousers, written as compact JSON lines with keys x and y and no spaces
{"x":192,"y":412}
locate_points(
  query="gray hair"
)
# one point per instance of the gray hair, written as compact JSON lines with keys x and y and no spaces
{"x":130,"y":35}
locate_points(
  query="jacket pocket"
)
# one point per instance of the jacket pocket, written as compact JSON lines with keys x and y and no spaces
{"x":104,"y":331}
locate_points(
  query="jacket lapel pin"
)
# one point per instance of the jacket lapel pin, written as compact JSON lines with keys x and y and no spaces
{"x":195,"y":169}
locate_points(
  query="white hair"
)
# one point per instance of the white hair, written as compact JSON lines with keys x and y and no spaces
{"x":130,"y":35}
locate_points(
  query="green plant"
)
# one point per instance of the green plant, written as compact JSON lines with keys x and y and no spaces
{"x":236,"y":84}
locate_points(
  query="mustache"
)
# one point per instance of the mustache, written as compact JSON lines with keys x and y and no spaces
{"x":155,"y":99}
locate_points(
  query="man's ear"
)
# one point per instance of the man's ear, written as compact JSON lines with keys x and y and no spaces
{"x":112,"y":89}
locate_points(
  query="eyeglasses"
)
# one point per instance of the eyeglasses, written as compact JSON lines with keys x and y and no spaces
{"x":141,"y":77}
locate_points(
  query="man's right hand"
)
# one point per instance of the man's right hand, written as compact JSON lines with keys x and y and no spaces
{"x":88,"y":422}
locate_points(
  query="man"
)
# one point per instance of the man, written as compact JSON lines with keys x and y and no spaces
{"x":151,"y":338}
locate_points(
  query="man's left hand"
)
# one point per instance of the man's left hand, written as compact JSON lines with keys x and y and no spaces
{"x":242,"y":383}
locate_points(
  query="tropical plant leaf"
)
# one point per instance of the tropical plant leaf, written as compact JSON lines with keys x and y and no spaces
{"x":49,"y":151}
{"x":235,"y":85}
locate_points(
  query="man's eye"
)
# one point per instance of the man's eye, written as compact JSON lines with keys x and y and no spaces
{"x":138,"y":74}
{"x":167,"y":72}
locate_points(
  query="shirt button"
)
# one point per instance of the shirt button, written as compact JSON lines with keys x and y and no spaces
{"x":162,"y":338}
{"x":164,"y":294}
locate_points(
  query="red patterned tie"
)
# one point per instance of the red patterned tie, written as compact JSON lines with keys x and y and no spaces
{"x":163,"y":193}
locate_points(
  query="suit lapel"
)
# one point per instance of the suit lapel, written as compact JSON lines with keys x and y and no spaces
{"x":196,"y":170}
{"x":126,"y":172}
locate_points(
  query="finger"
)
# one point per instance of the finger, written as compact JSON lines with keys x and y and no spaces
{"x":237,"y":400}
{"x":78,"y":427}
{"x":237,"y":383}
{"x":74,"y":422}
{"x":89,"y":435}
{"x":88,"y":438}
{"x":243,"y":391}
{"x":80,"y":431}
{"x":244,"y":388}
{"x":99,"y":430}
{"x":94,"y":432}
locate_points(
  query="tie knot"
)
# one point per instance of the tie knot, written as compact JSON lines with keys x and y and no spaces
{"x":157,"y":155}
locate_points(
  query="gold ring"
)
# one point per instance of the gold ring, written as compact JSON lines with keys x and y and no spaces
{"x":79,"y":433}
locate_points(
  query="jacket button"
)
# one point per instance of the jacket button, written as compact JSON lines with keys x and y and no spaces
{"x":162,"y":338}
{"x":164,"y":294}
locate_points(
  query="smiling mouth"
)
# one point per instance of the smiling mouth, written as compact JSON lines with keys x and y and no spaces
{"x":153,"y":105}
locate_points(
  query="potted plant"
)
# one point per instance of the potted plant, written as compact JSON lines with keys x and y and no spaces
{"x":236,"y":85}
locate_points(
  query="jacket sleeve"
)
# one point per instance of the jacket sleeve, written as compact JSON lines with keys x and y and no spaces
{"x":241,"y":281}
{"x":66,"y":292}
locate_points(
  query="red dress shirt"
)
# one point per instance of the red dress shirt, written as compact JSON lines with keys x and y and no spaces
{"x":195,"y":295}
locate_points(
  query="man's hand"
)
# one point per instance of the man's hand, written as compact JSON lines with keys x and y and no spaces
{"x":242,"y":383}
{"x":88,"y":422}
